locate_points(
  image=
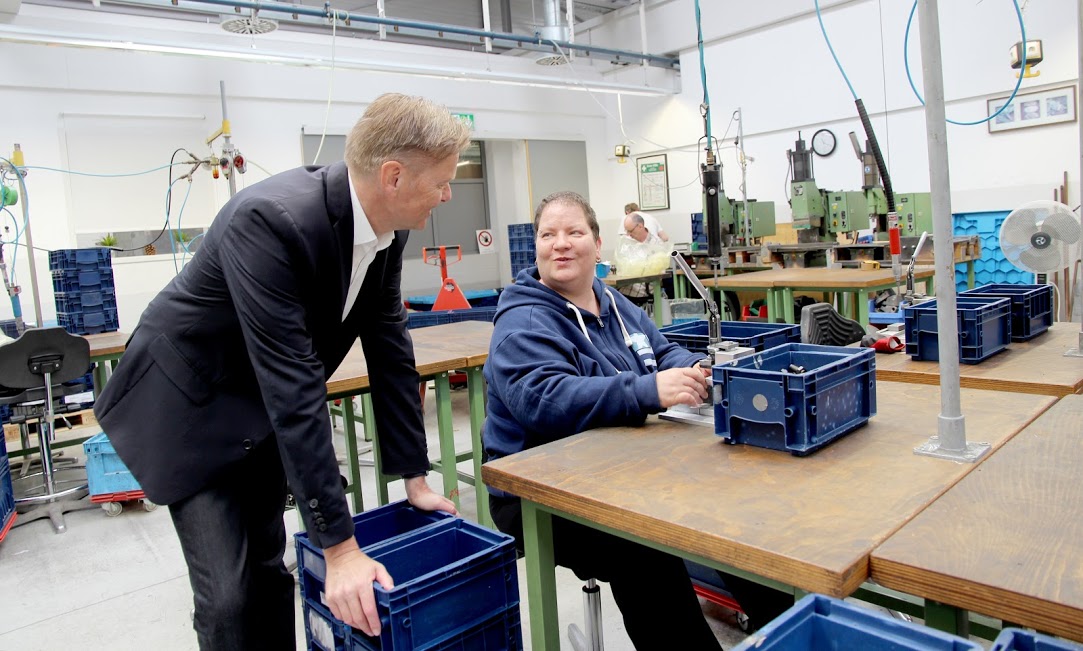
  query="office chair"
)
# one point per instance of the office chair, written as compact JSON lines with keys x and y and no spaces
{"x":33,"y":369}
{"x":589,"y":639}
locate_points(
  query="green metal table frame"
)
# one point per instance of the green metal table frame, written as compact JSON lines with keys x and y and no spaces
{"x":449,"y":458}
{"x":541,"y":584}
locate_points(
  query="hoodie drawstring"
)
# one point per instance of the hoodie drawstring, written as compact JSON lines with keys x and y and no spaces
{"x":582,"y":324}
{"x":620,"y":319}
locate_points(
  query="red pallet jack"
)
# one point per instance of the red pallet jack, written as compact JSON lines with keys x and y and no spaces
{"x":450,"y":297}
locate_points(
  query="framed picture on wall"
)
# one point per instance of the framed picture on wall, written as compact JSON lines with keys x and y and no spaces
{"x":653,"y":175}
{"x":1034,"y":109}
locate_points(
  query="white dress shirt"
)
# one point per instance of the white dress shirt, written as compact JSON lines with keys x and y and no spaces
{"x":365,"y":247}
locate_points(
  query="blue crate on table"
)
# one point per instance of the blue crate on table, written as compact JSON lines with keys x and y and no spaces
{"x":441,"y":317}
{"x":89,"y":300}
{"x":89,"y":322}
{"x":819,"y":622}
{"x":759,"y":402}
{"x":1016,"y":639}
{"x":760,"y":336}
{"x":79,"y":281}
{"x":106,"y":473}
{"x":80,"y":259}
{"x":7,"y":326}
{"x":450,"y":577}
{"x":985,"y":328}
{"x":1032,"y":306}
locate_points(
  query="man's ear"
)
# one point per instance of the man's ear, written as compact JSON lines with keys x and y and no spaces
{"x":391,"y":175}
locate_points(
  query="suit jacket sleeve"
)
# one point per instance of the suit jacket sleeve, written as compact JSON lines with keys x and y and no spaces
{"x":389,"y":353}
{"x":266,"y":267}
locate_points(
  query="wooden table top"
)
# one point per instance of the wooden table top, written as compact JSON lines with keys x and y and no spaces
{"x":808,"y":522}
{"x":1007,"y":540}
{"x":437,"y":349}
{"x":1035,"y":366}
{"x":614,"y":280}
{"x":107,"y":344}
{"x":813,"y":278}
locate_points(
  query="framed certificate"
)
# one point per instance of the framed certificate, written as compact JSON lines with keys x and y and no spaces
{"x":653,"y":176}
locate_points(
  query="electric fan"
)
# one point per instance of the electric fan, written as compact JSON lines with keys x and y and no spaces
{"x":1038,"y":236}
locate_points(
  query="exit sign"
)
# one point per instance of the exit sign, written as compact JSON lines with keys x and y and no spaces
{"x":465,"y":118}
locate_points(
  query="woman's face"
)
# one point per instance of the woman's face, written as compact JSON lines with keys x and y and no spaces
{"x":566,"y":248}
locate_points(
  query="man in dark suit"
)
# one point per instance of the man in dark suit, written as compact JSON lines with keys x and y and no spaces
{"x":220,"y":397}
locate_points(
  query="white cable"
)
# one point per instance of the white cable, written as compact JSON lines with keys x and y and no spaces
{"x":1056,"y":307}
{"x":330,"y":85}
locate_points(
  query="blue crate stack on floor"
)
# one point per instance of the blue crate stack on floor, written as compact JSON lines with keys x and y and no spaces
{"x":521,"y":247}
{"x":7,"y":492}
{"x":820,"y":622}
{"x":108,"y":478}
{"x":699,"y":232}
{"x":456,"y":585}
{"x":441,"y":317}
{"x":83,"y":287}
{"x":476,"y":298}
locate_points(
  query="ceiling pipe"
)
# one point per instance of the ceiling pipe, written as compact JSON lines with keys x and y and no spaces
{"x":537,"y":39}
{"x":554,"y":29}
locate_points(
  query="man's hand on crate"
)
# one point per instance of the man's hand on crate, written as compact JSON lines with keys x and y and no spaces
{"x":348,"y":591}
{"x":421,"y":496}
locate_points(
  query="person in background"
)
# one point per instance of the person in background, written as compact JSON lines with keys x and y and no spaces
{"x":635,"y":227}
{"x":649,"y":222}
{"x":595,"y":361}
{"x":220,"y":398}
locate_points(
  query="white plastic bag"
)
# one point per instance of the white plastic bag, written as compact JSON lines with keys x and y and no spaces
{"x":641,"y":258}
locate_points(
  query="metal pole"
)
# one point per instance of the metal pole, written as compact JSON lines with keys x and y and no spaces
{"x":744,"y":175}
{"x":484,"y":23}
{"x":17,"y":161}
{"x":380,"y":11}
{"x":951,"y":443}
{"x":1078,"y":350}
{"x":643,"y":28}
{"x":227,"y":144}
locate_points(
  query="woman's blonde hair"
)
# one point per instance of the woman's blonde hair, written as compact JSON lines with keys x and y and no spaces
{"x":398,"y":127}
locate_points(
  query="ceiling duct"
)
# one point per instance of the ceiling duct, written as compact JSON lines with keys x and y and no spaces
{"x":553,"y":30}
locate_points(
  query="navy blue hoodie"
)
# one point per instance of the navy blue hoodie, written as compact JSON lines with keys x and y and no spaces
{"x":555,"y":370}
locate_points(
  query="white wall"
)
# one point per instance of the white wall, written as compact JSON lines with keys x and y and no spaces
{"x":770,"y":59}
{"x":109,"y":111}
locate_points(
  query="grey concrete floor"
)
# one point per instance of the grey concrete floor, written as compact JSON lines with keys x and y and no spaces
{"x":117,"y":583}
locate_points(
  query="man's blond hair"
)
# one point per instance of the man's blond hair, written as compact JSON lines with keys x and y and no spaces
{"x":403,"y":127}
{"x":630,"y":208}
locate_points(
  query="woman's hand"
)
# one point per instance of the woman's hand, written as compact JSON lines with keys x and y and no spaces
{"x":682,"y":386}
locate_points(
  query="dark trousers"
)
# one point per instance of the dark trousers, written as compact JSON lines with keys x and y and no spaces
{"x":233,"y":537}
{"x":652,"y":589}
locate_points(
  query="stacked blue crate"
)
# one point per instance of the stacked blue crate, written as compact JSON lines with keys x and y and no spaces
{"x":441,"y":317}
{"x":521,"y":247}
{"x":699,"y":231}
{"x":7,"y":493}
{"x":456,"y":584}
{"x":83,"y":286}
{"x":993,"y":267}
{"x":7,"y":326}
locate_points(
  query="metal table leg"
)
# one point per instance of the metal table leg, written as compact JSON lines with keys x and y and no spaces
{"x":371,"y":434}
{"x":447,"y":438}
{"x":350,"y":429}
{"x":541,"y":577}
{"x":475,"y":383}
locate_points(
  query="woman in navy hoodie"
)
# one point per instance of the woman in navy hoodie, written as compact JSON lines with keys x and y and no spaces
{"x":569,"y":355}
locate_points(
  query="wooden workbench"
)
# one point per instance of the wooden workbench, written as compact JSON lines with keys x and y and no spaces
{"x":1035,"y":366}
{"x":107,"y":345}
{"x":780,"y":285}
{"x":1007,"y":540}
{"x":655,"y":281}
{"x":806,"y":522}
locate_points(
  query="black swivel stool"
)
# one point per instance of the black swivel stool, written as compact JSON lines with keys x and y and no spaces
{"x":33,"y":369}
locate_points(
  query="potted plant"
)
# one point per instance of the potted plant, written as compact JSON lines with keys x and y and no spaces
{"x":108,"y":240}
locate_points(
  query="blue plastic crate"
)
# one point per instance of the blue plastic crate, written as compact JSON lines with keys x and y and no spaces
{"x":759,"y":402}
{"x":7,"y":326}
{"x":88,"y":322}
{"x":85,"y":300}
{"x":760,"y":336}
{"x":449,"y":578}
{"x":521,"y":230}
{"x":322,"y":630}
{"x":105,"y":472}
{"x":818,"y":622}
{"x":1032,"y":307}
{"x":80,"y":259}
{"x":985,"y":328}
{"x":441,"y":317}
{"x":79,"y":281}
{"x":503,"y":632}
{"x":1016,"y":639}
{"x":521,"y":243}
{"x":7,"y":492}
{"x":370,"y":528}
{"x":516,"y":269}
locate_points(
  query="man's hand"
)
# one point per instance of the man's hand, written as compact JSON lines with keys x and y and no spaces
{"x":421,"y":496}
{"x":348,"y":590}
{"x":681,"y":386}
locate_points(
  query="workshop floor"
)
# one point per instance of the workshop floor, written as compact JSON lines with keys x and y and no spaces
{"x":116,"y":583}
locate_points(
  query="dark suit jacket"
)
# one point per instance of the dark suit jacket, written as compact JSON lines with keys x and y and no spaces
{"x":238,"y":347}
